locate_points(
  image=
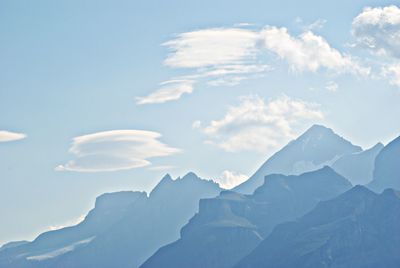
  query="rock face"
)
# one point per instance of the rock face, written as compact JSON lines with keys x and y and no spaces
{"x":123,"y":229}
{"x":232,"y":225}
{"x":387,"y":168}
{"x":358,"y":167}
{"x":357,"y":229}
{"x":317,"y":147}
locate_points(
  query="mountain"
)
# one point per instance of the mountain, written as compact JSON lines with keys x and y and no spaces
{"x":123,"y":229}
{"x":358,"y":167}
{"x":109,"y":208}
{"x":231,"y":225}
{"x":358,"y":229}
{"x":13,"y":244}
{"x":387,"y":168}
{"x":317,"y":147}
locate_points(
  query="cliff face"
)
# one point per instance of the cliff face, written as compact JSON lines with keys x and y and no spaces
{"x":387,"y":168}
{"x":357,"y":229}
{"x":231,"y":225}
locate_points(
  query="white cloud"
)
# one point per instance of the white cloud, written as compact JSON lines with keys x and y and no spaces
{"x":378,"y":29}
{"x":331,"y":86}
{"x":254,"y":125}
{"x":227,"y":56}
{"x":170,"y":90}
{"x":210,"y":47}
{"x":11,"y":136}
{"x":308,"y":52}
{"x":196,"y":124}
{"x":316,"y":25}
{"x":230,"y":179}
{"x":115,"y":150}
{"x":392,"y":72}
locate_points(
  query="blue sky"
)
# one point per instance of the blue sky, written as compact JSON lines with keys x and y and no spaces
{"x":100,"y":96}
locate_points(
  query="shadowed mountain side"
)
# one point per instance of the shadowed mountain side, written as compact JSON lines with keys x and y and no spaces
{"x":231,"y":225}
{"x":387,"y":168}
{"x":144,"y":226}
{"x":358,"y":229}
{"x":317,"y":147}
{"x":358,"y":167}
{"x":109,"y":209}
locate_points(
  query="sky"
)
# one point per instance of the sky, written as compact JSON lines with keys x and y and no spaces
{"x":102,"y":96}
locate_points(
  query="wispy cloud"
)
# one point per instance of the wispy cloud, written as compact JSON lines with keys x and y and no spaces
{"x":227,"y":56}
{"x":11,"y":136}
{"x":254,"y":125}
{"x":216,"y":56}
{"x":211,"y":47}
{"x":230,"y":179}
{"x":331,"y":86}
{"x":115,"y":150}
{"x":170,"y":90}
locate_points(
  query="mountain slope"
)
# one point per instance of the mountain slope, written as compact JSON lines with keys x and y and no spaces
{"x":231,"y":225}
{"x":357,"y":229}
{"x":130,"y":238}
{"x":317,"y":147}
{"x":358,"y":167}
{"x":387,"y":167}
{"x":109,"y":209}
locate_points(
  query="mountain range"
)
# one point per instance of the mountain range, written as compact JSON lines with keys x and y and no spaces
{"x":358,"y":229}
{"x":298,"y":210}
{"x":122,"y":230}
{"x":233,"y":224}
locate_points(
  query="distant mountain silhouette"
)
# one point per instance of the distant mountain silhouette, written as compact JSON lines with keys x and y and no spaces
{"x":358,"y":229}
{"x":123,"y":229}
{"x":358,"y":167}
{"x":387,"y":168}
{"x":13,"y":244}
{"x":231,"y":225}
{"x":317,"y":147}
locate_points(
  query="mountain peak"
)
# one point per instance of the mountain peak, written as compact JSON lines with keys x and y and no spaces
{"x":190,"y":176}
{"x":318,"y":129}
{"x":317,"y":147}
{"x":391,"y":192}
{"x":166,"y":177}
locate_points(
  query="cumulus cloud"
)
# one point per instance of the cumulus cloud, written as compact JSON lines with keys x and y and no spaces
{"x":308,"y":52}
{"x":378,"y":29}
{"x":170,"y":90}
{"x":115,"y":150}
{"x":255,"y":125}
{"x":230,"y":179}
{"x":11,"y":136}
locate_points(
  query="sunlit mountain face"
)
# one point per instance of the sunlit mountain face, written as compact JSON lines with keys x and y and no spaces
{"x":203,"y":134}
